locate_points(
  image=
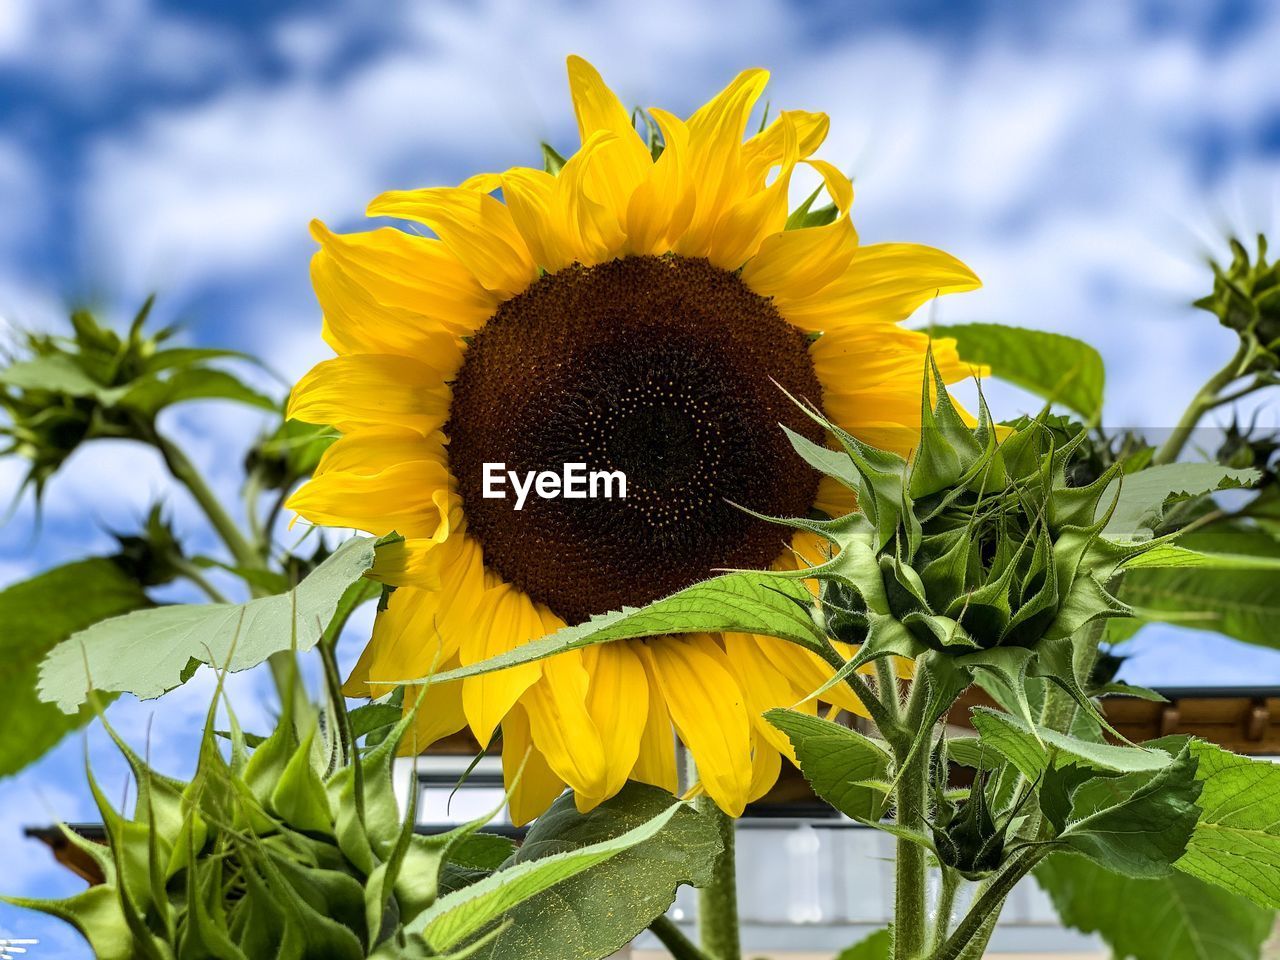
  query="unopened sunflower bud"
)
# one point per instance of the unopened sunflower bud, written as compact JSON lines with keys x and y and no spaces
{"x":978,"y":548}
{"x":1246,"y":299}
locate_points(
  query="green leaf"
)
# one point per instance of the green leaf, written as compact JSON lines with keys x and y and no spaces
{"x":1138,"y":824}
{"x":1244,"y":604}
{"x":1171,"y":918}
{"x":969,"y":752}
{"x":877,"y":946}
{"x":836,"y":761}
{"x":1059,"y":368}
{"x":165,"y":383}
{"x":1033,"y":753}
{"x":1170,"y":557}
{"x":368,"y":717}
{"x":174,"y":357}
{"x":55,"y":372}
{"x":151,"y":394}
{"x":1236,"y":843}
{"x":598,"y":912}
{"x":146,"y":652}
{"x":743,"y":602}
{"x":35,"y":616}
{"x":1143,"y":496}
{"x":465,"y":913}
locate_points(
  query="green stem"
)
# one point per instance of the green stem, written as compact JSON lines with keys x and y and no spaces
{"x":718,"y":900}
{"x":989,"y":903}
{"x":887,"y":687}
{"x":945,"y":908}
{"x":242,"y":550}
{"x":678,"y":945}
{"x":1204,"y":401}
{"x":1260,"y":384}
{"x":196,"y":576}
{"x":185,"y":473}
{"x":885,"y":722}
{"x":252,"y":495}
{"x":1057,"y":713}
{"x":909,"y":924}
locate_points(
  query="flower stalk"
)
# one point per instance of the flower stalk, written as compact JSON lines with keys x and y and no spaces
{"x":911,"y":805}
{"x":1206,"y":399}
{"x":718,"y":901}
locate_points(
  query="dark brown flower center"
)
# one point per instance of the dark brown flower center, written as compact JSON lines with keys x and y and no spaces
{"x":663,"y":368}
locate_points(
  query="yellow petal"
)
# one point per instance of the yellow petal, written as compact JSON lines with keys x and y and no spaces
{"x":476,"y":228}
{"x":596,"y":106}
{"x":707,"y":708}
{"x":884,"y":283}
{"x":808,"y":672}
{"x":406,"y":645}
{"x":593,"y":192}
{"x":764,"y":688}
{"x":766,"y":149}
{"x":531,"y":197}
{"x":662,"y":205}
{"x":656,"y":760}
{"x":446,"y":615}
{"x":618,"y":701}
{"x":411,"y":498}
{"x":716,"y":163}
{"x":538,"y":786}
{"x":419,"y":561}
{"x":766,"y":764}
{"x":838,"y":185}
{"x":439,"y":715}
{"x":796,"y":263}
{"x":386,"y":291}
{"x":374,"y":449}
{"x":873,"y":376}
{"x":745,"y":224}
{"x":834,"y":498}
{"x":507,"y":618}
{"x":372,"y":390}
{"x":563,"y":729}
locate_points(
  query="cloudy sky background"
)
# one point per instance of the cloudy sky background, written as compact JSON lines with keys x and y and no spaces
{"x":1083,"y":158}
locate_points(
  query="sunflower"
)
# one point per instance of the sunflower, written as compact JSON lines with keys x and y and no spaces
{"x":637,"y":311}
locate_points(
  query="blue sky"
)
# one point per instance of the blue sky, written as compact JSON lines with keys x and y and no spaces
{"x":1083,"y":158}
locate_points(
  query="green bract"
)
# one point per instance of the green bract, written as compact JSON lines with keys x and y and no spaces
{"x":1246,"y":298}
{"x":979,"y":548}
{"x":296,"y":847}
{"x":283,"y":850}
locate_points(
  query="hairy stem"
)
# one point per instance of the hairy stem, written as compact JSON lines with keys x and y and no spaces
{"x":887,"y":686}
{"x":678,"y":945}
{"x":989,"y":903}
{"x":1057,"y":713}
{"x":945,"y":908}
{"x":1204,"y":401}
{"x":718,"y":900}
{"x":910,"y":926}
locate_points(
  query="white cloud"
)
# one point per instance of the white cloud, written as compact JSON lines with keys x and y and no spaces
{"x":85,"y":50}
{"x":1061,"y":169}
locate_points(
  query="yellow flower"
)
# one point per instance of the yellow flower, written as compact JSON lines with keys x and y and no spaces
{"x":637,"y":315}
